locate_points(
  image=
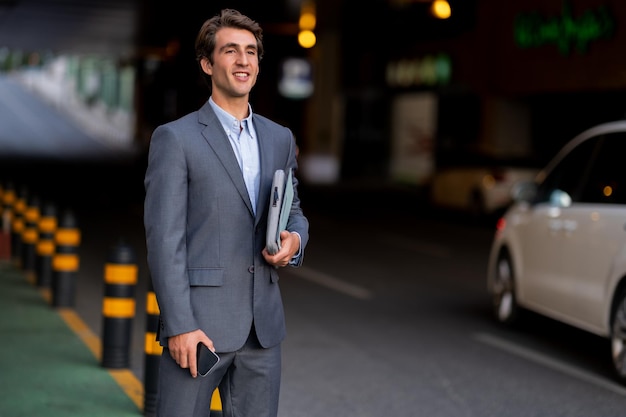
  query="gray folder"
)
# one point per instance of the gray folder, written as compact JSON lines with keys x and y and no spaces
{"x":280,"y":205}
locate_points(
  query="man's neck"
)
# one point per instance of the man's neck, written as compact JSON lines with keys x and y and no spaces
{"x":235,"y":106}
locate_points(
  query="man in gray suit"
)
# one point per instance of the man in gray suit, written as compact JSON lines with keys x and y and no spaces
{"x":208,"y":185}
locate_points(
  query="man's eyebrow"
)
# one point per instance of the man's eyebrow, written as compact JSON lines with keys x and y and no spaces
{"x":236,"y":45}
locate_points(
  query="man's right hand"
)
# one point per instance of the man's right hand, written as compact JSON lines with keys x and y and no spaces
{"x":184,"y":347}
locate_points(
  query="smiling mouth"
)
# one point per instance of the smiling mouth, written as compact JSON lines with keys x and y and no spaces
{"x":241,"y":75}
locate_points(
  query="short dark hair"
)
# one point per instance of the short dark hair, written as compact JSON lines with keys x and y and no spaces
{"x":227,"y":18}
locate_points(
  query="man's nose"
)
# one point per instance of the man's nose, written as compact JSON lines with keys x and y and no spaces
{"x":242,"y":58}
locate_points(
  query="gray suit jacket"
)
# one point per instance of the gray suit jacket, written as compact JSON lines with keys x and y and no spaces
{"x":204,"y":241}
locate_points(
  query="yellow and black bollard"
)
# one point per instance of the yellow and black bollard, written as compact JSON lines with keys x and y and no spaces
{"x":30,"y":236}
{"x":6,"y":210}
{"x":65,"y":261}
{"x":17,"y":225}
{"x":118,"y":307}
{"x":216,"y":404}
{"x":153,"y":350}
{"x":47,"y":228}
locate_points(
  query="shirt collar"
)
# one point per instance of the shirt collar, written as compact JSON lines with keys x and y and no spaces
{"x":228,"y":121}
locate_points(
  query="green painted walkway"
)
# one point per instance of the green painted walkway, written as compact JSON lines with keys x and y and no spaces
{"x":46,"y":369}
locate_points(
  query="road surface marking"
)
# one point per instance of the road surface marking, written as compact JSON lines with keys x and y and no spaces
{"x":549,"y":362}
{"x":331,"y":282}
{"x":124,"y":377}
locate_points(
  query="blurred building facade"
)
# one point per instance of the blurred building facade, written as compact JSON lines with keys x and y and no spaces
{"x":510,"y":79}
{"x":388,"y":92}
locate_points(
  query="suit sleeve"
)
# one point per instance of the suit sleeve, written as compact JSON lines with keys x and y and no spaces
{"x":297,"y":221}
{"x":165,"y":218}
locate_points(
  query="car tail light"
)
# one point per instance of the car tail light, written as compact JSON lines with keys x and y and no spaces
{"x":500,"y":224}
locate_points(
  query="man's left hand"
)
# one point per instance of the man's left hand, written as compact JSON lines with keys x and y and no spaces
{"x":289,"y":246}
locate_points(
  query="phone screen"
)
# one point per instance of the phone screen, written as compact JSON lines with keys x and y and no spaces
{"x":207,"y":359}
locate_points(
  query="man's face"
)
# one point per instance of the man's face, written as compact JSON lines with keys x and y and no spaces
{"x":235,"y":63}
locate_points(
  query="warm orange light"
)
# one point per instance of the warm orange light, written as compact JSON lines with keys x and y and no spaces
{"x":306,"y":39}
{"x":306,"y":24}
{"x":489,"y":181}
{"x":307,"y":21}
{"x":441,"y":9}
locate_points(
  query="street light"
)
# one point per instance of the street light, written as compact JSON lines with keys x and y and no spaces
{"x":306,"y":24}
{"x":440,"y":9}
{"x":306,"y":38}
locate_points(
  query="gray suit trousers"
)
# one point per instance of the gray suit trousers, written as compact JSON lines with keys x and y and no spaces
{"x":252,"y":372}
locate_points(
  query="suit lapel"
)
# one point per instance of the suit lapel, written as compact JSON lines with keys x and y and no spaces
{"x":218,"y":141}
{"x":267,"y":163}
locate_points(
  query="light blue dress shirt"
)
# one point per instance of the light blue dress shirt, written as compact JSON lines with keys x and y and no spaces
{"x":243,"y":139}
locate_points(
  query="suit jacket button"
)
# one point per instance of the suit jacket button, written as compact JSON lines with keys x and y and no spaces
{"x":251,"y":269}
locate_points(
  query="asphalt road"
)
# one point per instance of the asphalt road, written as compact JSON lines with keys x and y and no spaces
{"x":390,"y":317}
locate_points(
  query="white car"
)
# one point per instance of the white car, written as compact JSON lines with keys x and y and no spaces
{"x":560,"y":249}
{"x":480,"y":190}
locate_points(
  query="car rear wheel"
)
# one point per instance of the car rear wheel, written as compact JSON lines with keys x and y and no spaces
{"x":505,"y":305}
{"x":618,"y":337}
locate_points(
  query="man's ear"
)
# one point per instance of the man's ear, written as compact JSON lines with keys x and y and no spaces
{"x":206,"y":66}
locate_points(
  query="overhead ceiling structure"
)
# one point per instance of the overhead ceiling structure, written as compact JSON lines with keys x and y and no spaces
{"x":70,"y":26}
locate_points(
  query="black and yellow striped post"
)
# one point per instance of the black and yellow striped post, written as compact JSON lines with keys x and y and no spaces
{"x":216,"y":404}
{"x":30,"y":236}
{"x":153,"y":350}
{"x":17,"y":225}
{"x":118,"y":307}
{"x":8,"y":203}
{"x":6,"y":211}
{"x":65,"y":262}
{"x":45,"y":249}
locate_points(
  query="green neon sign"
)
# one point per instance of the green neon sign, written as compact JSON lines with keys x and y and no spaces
{"x":429,"y":70}
{"x":531,"y":30}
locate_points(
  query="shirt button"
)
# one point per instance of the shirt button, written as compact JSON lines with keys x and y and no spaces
{"x":251,"y":269}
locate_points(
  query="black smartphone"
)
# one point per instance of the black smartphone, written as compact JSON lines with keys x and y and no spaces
{"x":207,"y":359}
